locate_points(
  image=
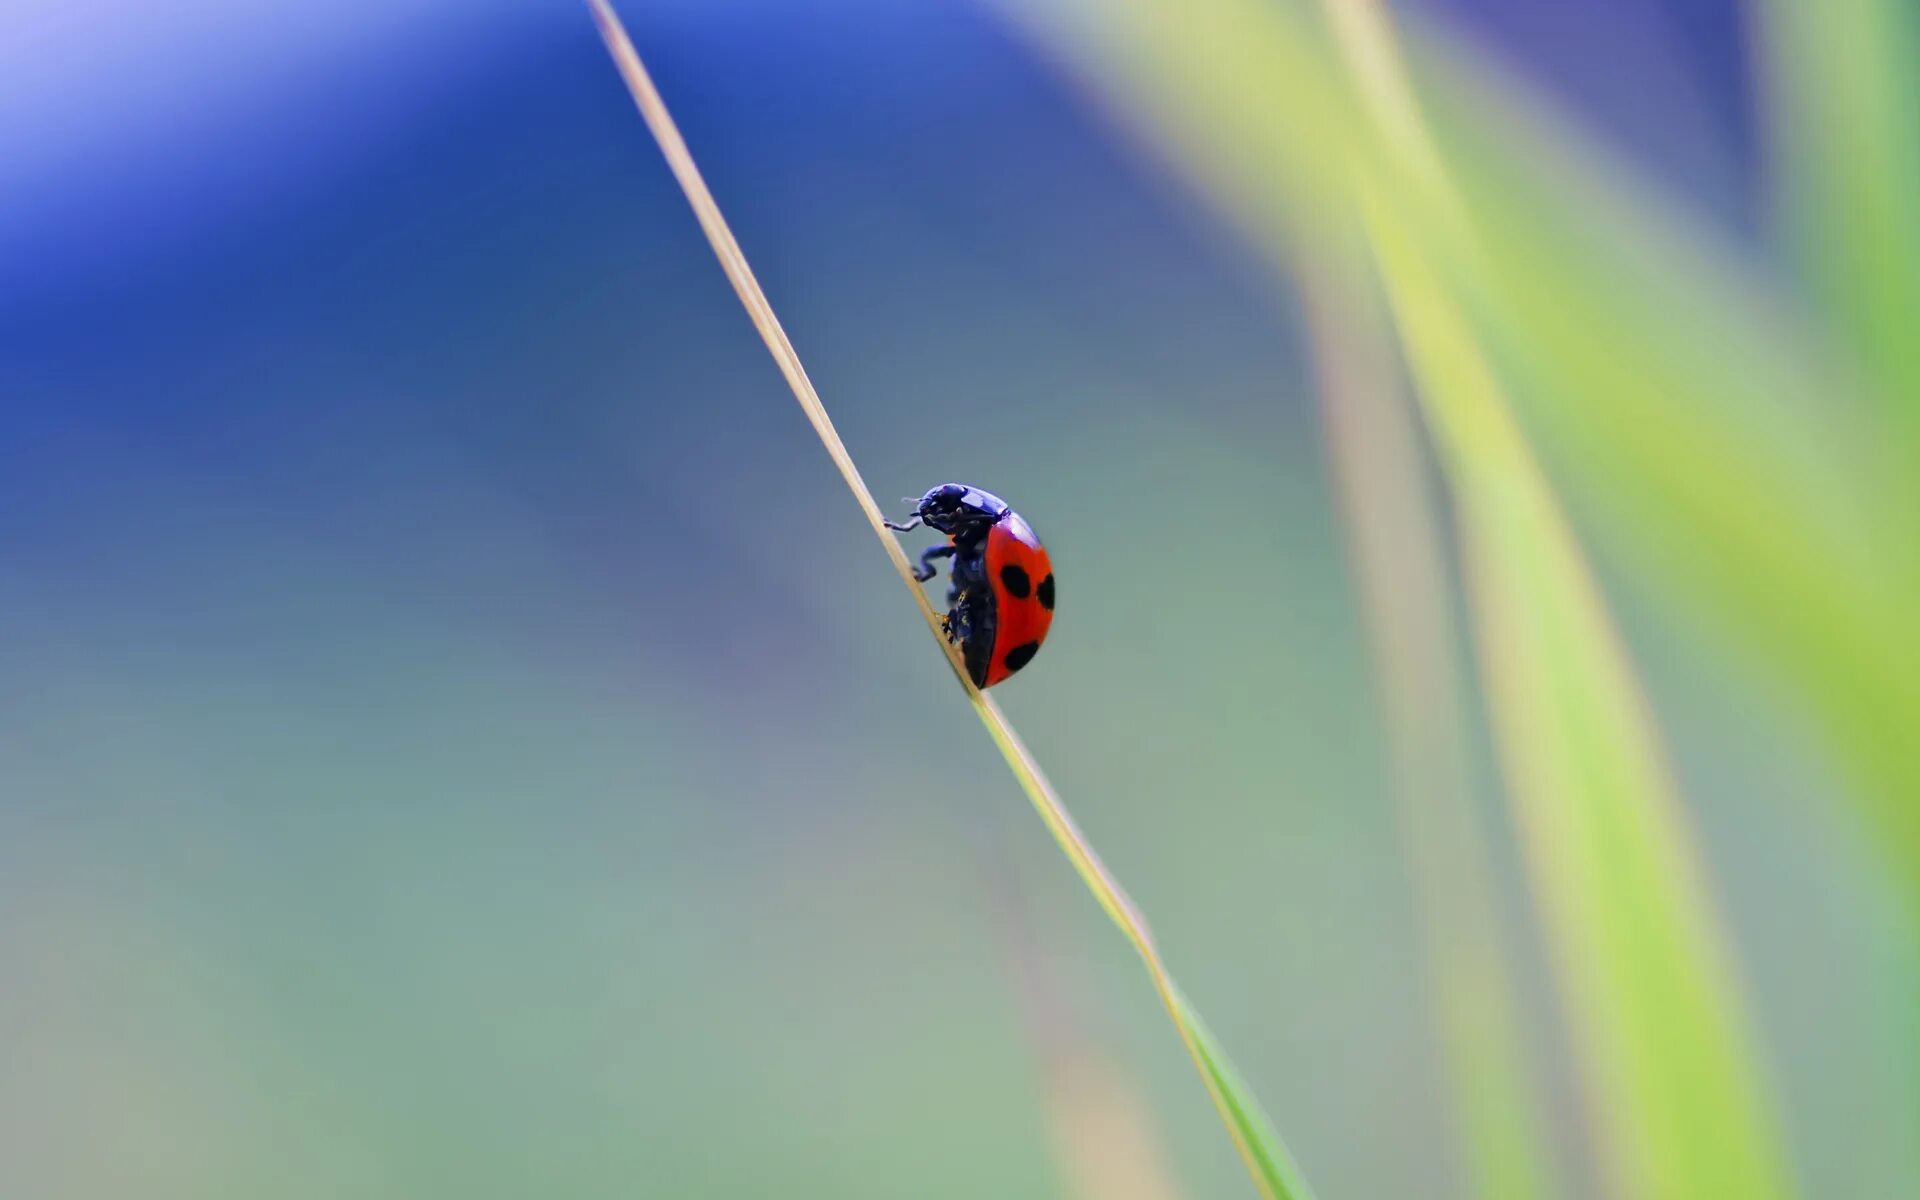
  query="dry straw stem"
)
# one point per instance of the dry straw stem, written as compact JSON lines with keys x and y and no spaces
{"x":1266,"y":1158}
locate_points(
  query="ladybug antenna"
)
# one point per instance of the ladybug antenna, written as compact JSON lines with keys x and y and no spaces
{"x":913,"y":521}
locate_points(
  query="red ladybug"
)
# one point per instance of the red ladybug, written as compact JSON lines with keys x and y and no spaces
{"x":1001,"y":602}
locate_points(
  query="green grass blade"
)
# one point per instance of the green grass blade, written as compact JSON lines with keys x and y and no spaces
{"x":1658,"y":1019}
{"x":1845,"y":92}
{"x":1105,"y":1144}
{"x":1268,"y":1154}
{"x":1251,"y":101}
{"x":1675,"y":395}
{"x":1266,"y":1157}
{"x":1672,"y":1081}
{"x":1685,"y":407}
{"x":1396,"y":546}
{"x":1267,"y":1161}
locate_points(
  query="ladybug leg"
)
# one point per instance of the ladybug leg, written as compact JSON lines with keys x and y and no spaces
{"x":955,"y":624}
{"x":926,"y":569}
{"x":913,"y":522}
{"x":965,"y":575}
{"x":959,"y":619}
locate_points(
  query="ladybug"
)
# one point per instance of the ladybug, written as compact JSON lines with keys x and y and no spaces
{"x":1000,"y":604}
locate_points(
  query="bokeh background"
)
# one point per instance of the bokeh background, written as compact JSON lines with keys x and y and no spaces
{"x":457,"y":738}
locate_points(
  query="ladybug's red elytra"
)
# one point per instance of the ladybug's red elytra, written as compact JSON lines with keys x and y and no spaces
{"x":1000,"y":604}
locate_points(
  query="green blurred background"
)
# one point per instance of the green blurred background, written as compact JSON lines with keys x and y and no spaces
{"x":456,"y":738}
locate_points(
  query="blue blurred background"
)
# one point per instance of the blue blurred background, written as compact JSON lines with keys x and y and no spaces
{"x":457,"y":738}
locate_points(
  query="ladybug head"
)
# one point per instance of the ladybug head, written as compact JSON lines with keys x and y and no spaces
{"x":951,"y":507}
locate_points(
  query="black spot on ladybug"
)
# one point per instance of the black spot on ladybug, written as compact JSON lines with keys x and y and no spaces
{"x":1046,"y":592}
{"x":1015,"y":581}
{"x":1021,"y":655}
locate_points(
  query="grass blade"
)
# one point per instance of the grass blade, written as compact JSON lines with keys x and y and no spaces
{"x":1266,"y":1158}
{"x":1639,"y":348}
{"x":1642,"y":355}
{"x":1853,"y":202}
{"x":1103,"y":1135}
{"x":1265,"y":1155}
{"x":1646,"y":980}
{"x":1395,"y":544}
{"x":1287,"y":129}
{"x":1672,"y":1080}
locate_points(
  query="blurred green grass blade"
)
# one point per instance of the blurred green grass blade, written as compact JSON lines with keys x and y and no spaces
{"x":1844,"y":98}
{"x":1511,"y":1157}
{"x":1249,"y":99}
{"x":1681,"y":400}
{"x":1659,"y":1021}
{"x":1396,"y":546}
{"x":1687,"y":409}
{"x":1688,"y":406}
